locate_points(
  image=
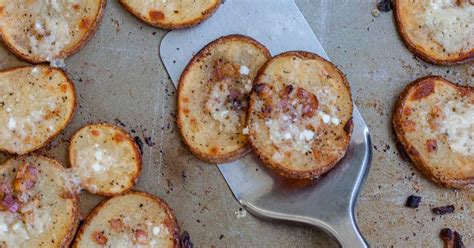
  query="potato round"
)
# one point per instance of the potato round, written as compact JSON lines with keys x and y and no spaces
{"x":300,"y":115}
{"x":439,"y":32}
{"x":434,"y":122}
{"x":105,"y":159}
{"x":171,"y":14}
{"x":213,"y":97}
{"x":136,"y":218}
{"x":36,"y":104}
{"x":49,"y":215}
{"x":45,"y":31}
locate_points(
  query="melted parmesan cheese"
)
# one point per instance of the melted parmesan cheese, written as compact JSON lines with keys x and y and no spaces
{"x":15,"y":233}
{"x":451,"y":25}
{"x":289,"y":135}
{"x":221,"y":109}
{"x":459,"y":126}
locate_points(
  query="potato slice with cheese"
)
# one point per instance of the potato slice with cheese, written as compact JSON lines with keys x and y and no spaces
{"x":36,"y":103}
{"x":300,"y":115}
{"x":48,"y":30}
{"x":105,"y":159}
{"x":136,"y":219}
{"x":39,"y":205}
{"x":434,"y":122}
{"x":213,"y":97}
{"x":438,"y":31}
{"x":171,"y":14}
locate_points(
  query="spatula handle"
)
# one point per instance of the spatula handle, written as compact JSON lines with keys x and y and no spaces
{"x":349,"y":236}
{"x":344,"y":231}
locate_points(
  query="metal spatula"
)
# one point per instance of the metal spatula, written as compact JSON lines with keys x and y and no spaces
{"x":327,"y":203}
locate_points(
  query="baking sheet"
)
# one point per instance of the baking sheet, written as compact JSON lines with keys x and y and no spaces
{"x":119,"y":75}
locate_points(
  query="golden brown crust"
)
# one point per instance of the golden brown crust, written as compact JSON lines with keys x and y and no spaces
{"x":76,"y":201}
{"x":198,"y":153}
{"x":420,"y":52}
{"x":79,"y":45}
{"x":168,"y":26}
{"x":398,"y":120}
{"x":136,"y":151}
{"x":69,"y":117}
{"x":95,"y":211}
{"x":269,"y":162}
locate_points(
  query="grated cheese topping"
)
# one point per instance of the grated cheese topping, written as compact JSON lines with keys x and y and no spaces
{"x":451,"y":24}
{"x":458,"y":125}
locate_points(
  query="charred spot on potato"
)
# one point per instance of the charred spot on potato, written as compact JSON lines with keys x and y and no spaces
{"x":156,"y":15}
{"x":85,"y":24}
{"x":1,"y":10}
{"x":348,"y":126}
{"x":423,"y":90}
{"x":186,"y":111}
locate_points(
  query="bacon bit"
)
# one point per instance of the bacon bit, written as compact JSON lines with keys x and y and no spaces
{"x":424,"y":90}
{"x":10,"y":204}
{"x":1,"y":10}
{"x":309,"y":101}
{"x":26,"y":178}
{"x":286,"y":90}
{"x":118,"y":137}
{"x":99,"y":238}
{"x":141,"y":237}
{"x":266,"y":110}
{"x":185,"y":99}
{"x":407,"y":111}
{"x":186,"y":111}
{"x":435,"y":115}
{"x":116,"y":224}
{"x":76,"y":6}
{"x":431,"y":145}
{"x":451,"y":239}
{"x":156,"y":15}
{"x":213,"y":150}
{"x":95,"y":133}
{"x":409,"y":126}
{"x":63,"y":88}
{"x":349,"y":125}
{"x":283,"y":104}
{"x":225,"y":70}
{"x":85,"y":24}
